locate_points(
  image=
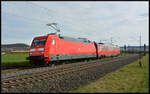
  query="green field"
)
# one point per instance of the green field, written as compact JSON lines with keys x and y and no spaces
{"x":130,"y":78}
{"x":8,"y":58}
{"x":13,"y":58}
{"x":14,"y":61}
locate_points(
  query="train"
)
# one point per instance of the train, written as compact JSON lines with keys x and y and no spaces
{"x":54,"y":47}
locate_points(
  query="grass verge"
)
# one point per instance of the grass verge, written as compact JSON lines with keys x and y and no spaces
{"x":9,"y":61}
{"x":130,"y":78}
{"x":13,"y":58}
{"x":12,"y":65}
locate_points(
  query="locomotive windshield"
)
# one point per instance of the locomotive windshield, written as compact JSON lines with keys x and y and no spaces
{"x":38,"y":42}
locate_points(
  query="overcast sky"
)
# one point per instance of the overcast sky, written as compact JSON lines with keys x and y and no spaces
{"x":120,"y":21}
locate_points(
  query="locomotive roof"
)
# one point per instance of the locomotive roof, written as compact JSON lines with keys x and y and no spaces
{"x":107,"y":44}
{"x":74,"y":39}
{"x":40,"y":37}
{"x":77,"y":39}
{"x":68,"y":38}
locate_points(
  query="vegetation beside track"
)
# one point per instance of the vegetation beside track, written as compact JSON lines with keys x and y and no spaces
{"x":14,"y":60}
{"x":130,"y":78}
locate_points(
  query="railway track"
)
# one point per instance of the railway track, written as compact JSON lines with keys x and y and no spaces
{"x":13,"y":73}
{"x":31,"y":79}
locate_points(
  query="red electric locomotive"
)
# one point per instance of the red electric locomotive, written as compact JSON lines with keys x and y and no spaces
{"x":53,"y":47}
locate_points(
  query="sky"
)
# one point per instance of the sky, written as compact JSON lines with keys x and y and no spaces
{"x":120,"y":23}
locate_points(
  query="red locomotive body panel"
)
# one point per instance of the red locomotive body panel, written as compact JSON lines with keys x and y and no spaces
{"x":70,"y":47}
{"x":64,"y":49}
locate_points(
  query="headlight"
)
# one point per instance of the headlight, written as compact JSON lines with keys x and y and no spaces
{"x":30,"y":53}
{"x":32,"y":49}
{"x":41,"y":49}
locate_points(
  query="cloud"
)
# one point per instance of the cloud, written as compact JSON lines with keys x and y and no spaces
{"x":93,"y":20}
{"x":144,"y":14}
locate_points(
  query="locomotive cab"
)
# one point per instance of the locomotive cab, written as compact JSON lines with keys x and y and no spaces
{"x":37,"y":47}
{"x":41,"y":48}
{"x":36,"y":53}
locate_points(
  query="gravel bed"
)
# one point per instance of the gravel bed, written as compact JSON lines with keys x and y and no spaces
{"x":72,"y":80}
